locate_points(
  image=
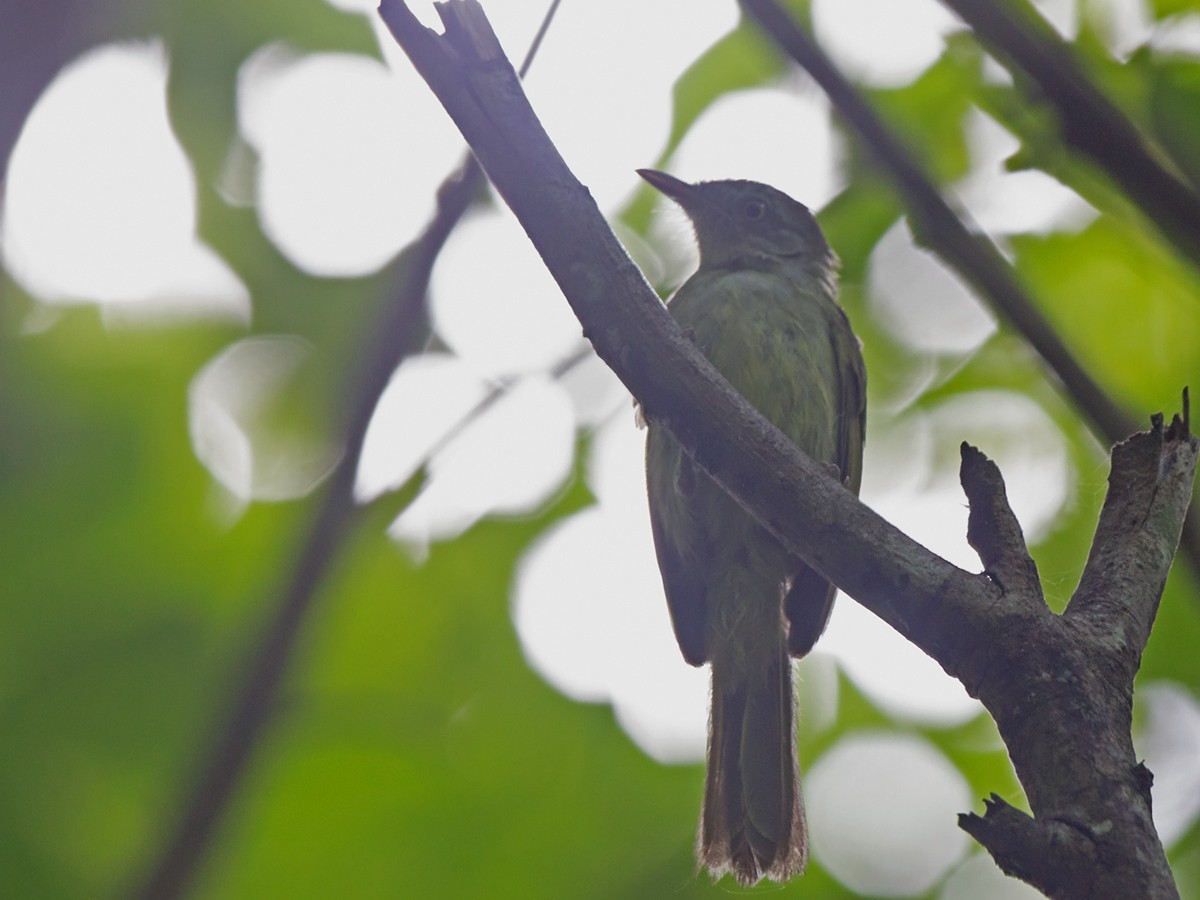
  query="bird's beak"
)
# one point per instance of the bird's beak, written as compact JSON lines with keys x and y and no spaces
{"x":679,"y":191}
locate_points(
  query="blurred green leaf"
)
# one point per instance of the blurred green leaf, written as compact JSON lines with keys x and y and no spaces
{"x":1174,"y":99}
{"x":1124,"y":304}
{"x":928,"y":114}
{"x":1163,"y":8}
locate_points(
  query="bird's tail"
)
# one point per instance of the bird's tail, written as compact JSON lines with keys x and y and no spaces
{"x":752,"y":823}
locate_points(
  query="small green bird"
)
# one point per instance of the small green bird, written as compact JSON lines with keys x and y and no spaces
{"x":763,"y":308}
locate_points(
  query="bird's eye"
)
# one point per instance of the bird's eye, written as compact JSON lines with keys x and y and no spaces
{"x":754,"y":209}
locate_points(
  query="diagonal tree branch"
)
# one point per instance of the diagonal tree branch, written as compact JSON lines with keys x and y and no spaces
{"x":1061,"y":692}
{"x":1091,"y":123}
{"x":629,"y":327}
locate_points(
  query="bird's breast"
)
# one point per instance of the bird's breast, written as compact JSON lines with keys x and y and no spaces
{"x":770,"y":337}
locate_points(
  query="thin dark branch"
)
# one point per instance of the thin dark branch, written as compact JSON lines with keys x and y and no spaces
{"x":1094,"y":126}
{"x":536,"y":43}
{"x":498,"y":391}
{"x":257,"y":689}
{"x":401,"y":330}
{"x":1091,"y":123}
{"x":968,"y":251}
{"x":964,"y":248}
{"x":404,"y":325}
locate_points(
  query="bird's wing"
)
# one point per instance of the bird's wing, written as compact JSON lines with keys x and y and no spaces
{"x":809,"y":600}
{"x":686,"y":591}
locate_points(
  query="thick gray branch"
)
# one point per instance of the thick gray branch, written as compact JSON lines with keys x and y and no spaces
{"x":1062,"y":707}
{"x":1055,"y":856}
{"x":1137,"y":534}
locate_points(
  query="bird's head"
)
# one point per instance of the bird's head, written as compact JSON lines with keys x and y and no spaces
{"x":743,"y":222}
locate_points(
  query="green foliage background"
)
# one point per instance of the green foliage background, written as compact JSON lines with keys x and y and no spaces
{"x":415,"y":753}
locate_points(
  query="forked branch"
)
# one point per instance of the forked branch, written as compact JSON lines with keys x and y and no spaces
{"x":1059,"y":687}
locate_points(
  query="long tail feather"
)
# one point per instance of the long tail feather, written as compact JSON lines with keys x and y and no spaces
{"x":752,"y":822}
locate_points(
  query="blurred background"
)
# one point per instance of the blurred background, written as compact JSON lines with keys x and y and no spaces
{"x":204,"y":211}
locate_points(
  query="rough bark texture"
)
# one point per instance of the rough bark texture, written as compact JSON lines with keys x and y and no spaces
{"x":1059,"y":687}
{"x":1064,"y":701}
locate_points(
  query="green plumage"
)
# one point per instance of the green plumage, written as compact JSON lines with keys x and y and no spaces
{"x":763,"y":308}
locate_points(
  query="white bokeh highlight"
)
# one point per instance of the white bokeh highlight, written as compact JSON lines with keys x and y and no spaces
{"x":494,"y":303}
{"x":1003,"y":202}
{"x":1168,"y":741}
{"x":1178,"y":36}
{"x":100,"y":200}
{"x":1063,"y":15}
{"x":427,"y":398}
{"x":782,"y":137}
{"x":601,"y":84}
{"x":1124,"y":25}
{"x":595,"y":391}
{"x":882,"y":811}
{"x":590,"y":613}
{"x":601,"y":637}
{"x":920,"y":301}
{"x":347,"y":151}
{"x":229,"y":404}
{"x":979,"y":878}
{"x":897,"y":676}
{"x":882,"y":43}
{"x":911,"y":464}
{"x":508,"y":459}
